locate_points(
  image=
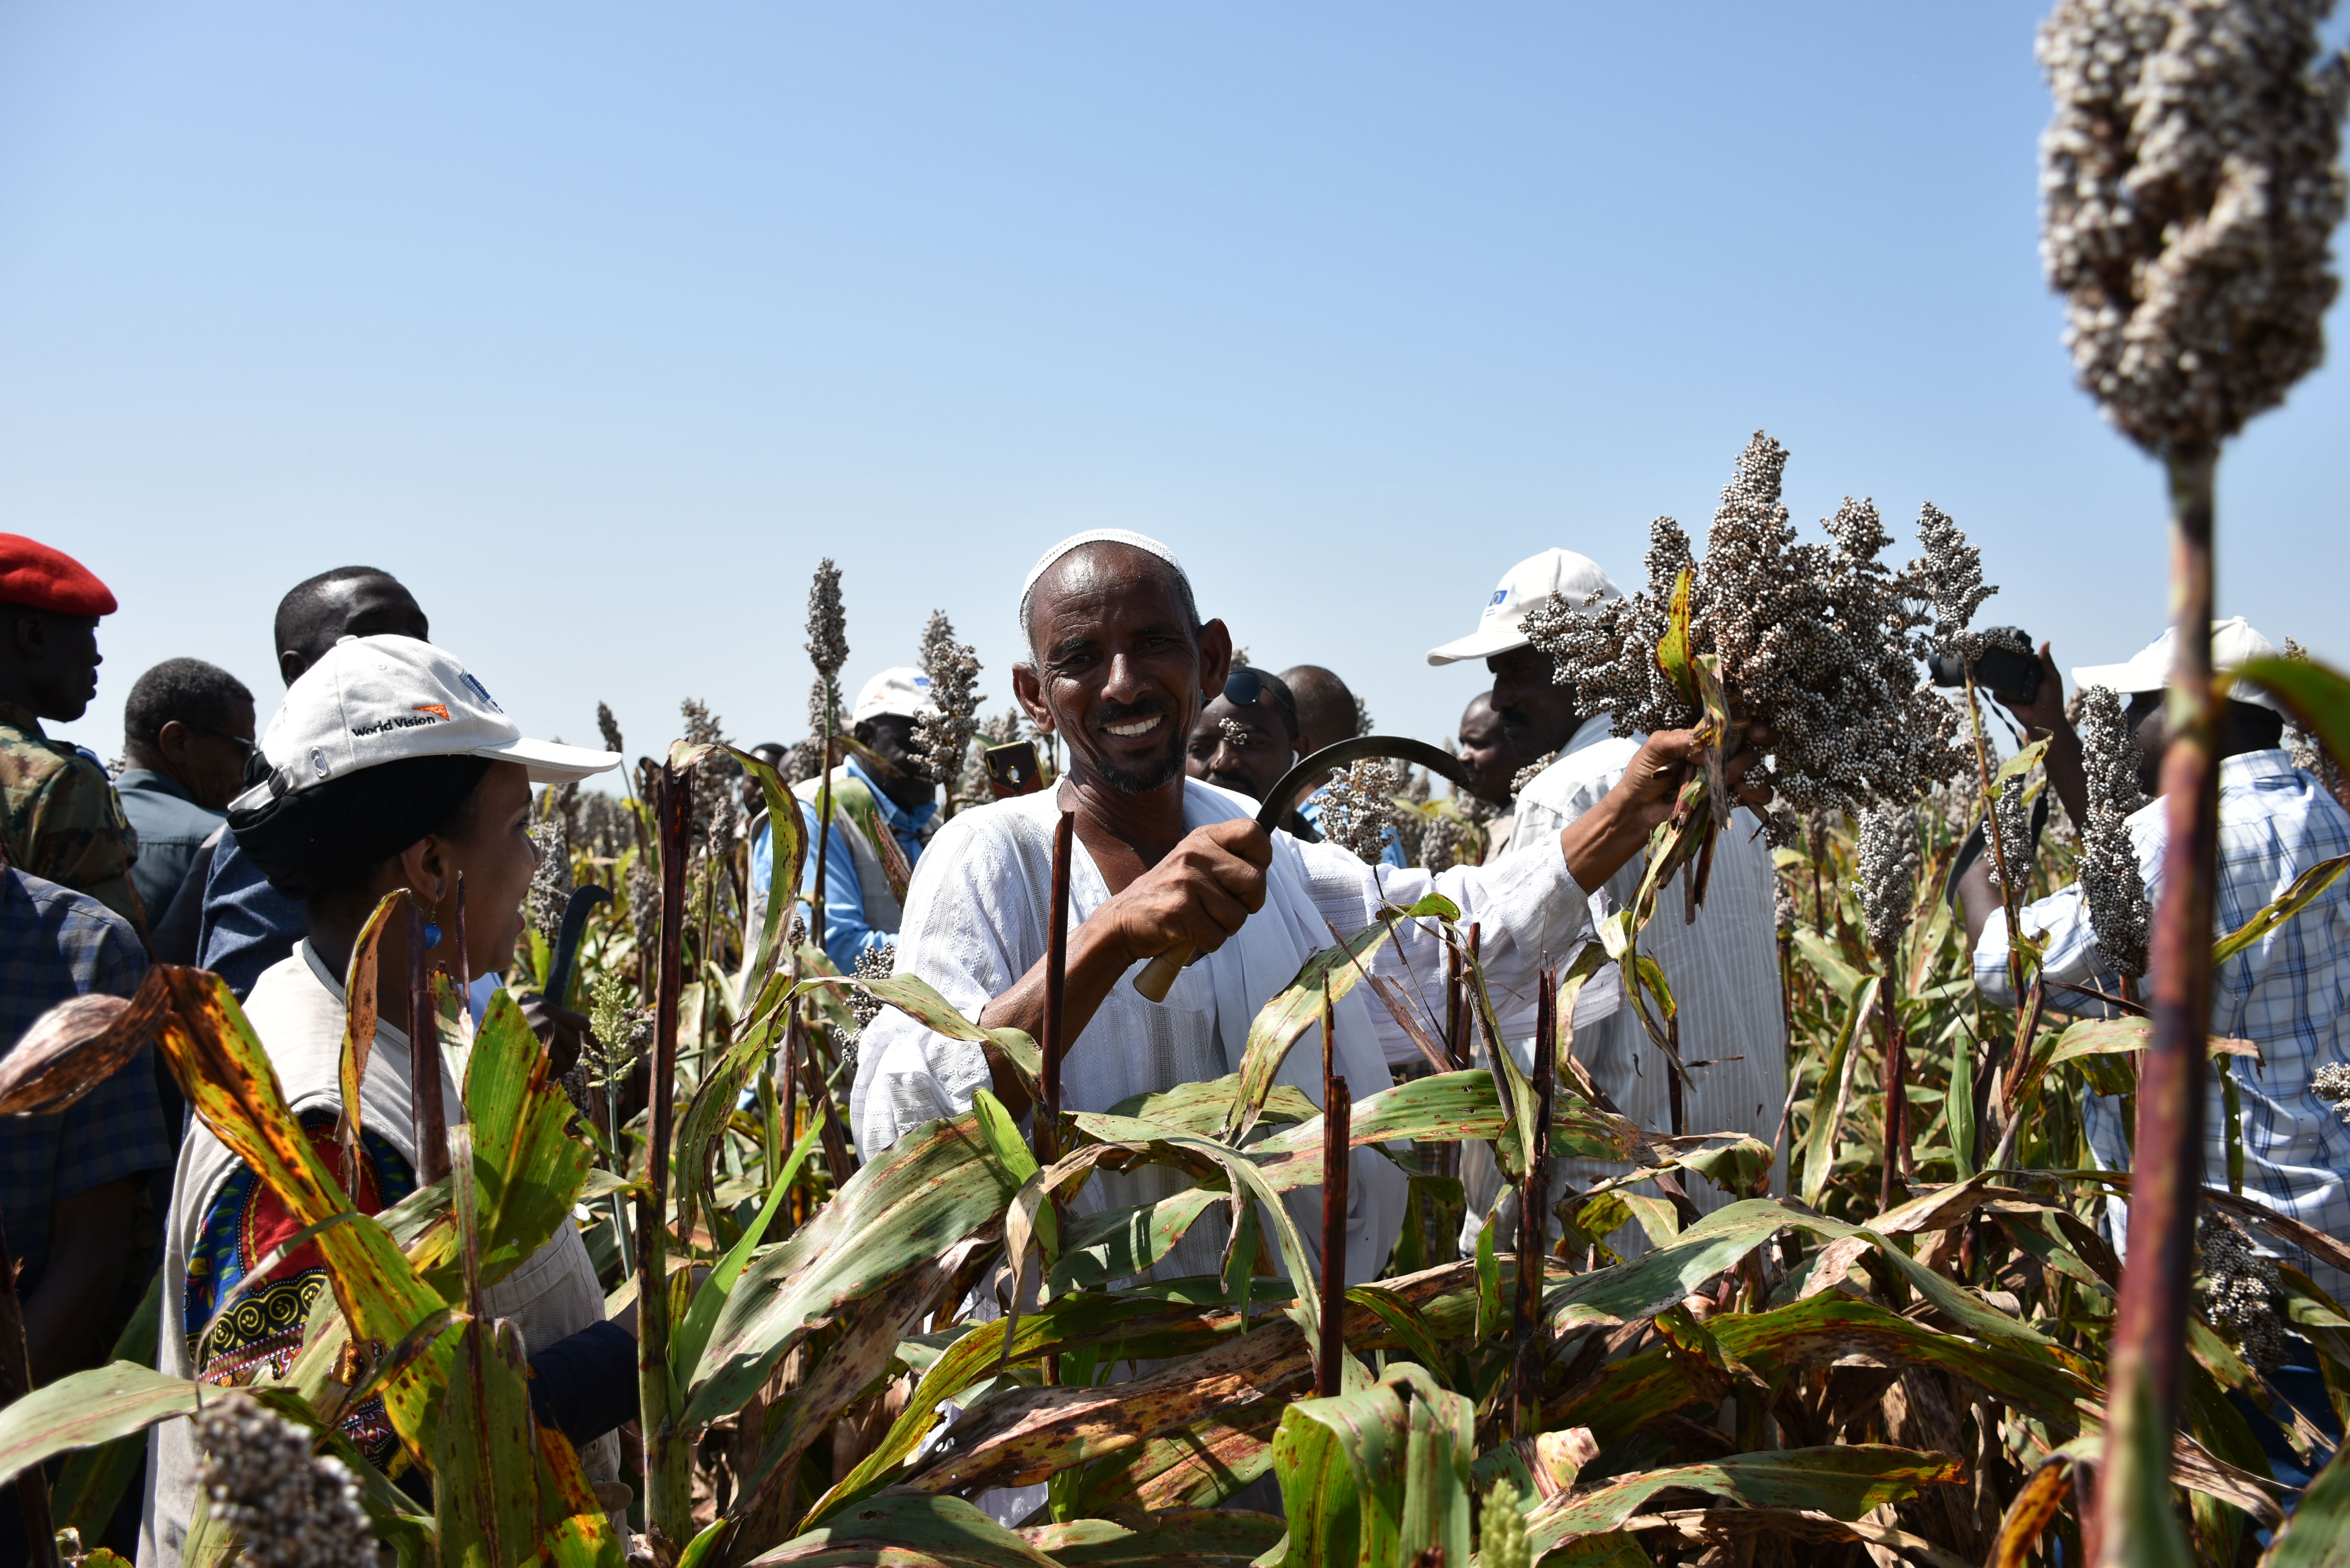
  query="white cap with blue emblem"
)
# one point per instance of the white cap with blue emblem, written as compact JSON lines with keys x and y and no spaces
{"x":375,"y":700}
{"x":904,"y":691}
{"x":1575,"y":578}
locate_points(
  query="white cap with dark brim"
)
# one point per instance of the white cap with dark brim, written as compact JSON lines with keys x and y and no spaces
{"x":377,"y":700}
{"x":1575,"y":579}
{"x":903,"y":691}
{"x":2233,"y":641}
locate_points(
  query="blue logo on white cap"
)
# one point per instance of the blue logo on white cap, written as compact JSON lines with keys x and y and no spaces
{"x":1495,"y":602}
{"x":482,"y":692}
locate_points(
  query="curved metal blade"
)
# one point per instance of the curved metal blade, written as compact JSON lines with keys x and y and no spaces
{"x":1285,"y":795}
{"x":581,"y":904}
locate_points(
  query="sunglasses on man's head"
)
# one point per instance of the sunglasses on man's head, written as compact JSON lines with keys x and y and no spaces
{"x":1244,"y":687}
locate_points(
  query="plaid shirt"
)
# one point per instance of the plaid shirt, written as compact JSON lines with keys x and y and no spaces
{"x":56,"y":944}
{"x":2289,"y":993}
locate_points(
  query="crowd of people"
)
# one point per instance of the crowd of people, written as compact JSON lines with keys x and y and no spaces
{"x":388,"y":765}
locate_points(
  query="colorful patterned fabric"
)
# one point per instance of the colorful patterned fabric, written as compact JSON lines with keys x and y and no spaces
{"x":264,"y":1326}
{"x":59,"y":817}
{"x":56,"y":944}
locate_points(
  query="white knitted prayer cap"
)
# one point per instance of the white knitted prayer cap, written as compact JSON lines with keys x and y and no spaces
{"x":1099,"y":536}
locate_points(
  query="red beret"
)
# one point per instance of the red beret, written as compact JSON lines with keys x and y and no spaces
{"x":33,"y":574}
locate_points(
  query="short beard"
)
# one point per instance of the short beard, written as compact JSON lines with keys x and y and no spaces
{"x":1138,"y":781}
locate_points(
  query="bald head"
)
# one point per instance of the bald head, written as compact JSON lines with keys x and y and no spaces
{"x":1106,"y":564}
{"x":348,"y":601}
{"x":1119,"y":664}
{"x":1327,"y":710}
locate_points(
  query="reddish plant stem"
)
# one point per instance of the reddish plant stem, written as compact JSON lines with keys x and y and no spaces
{"x":837,"y":1154}
{"x":1673,"y":1075}
{"x":1897,"y":1102}
{"x":1057,"y":991}
{"x":791,"y":1219}
{"x":1455,"y":1042}
{"x":464,"y":957}
{"x":2150,"y":1323}
{"x":1532,"y":1230}
{"x":1469,"y":1015}
{"x":822,"y":827}
{"x":1337,"y":1116}
{"x":16,"y":1382}
{"x":669,"y":1458}
{"x":426,"y":1104}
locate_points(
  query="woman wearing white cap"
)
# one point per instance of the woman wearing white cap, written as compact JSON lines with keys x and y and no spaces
{"x":392,"y":768}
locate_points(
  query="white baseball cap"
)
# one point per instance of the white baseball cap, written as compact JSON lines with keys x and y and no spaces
{"x":1529,"y":583}
{"x":2233,"y":642}
{"x":904,"y":691}
{"x":375,"y":700}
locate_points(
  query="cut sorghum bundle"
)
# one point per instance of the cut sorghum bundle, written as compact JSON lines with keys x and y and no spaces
{"x":1822,"y":641}
{"x":2111,"y":881}
{"x":293,"y":1508}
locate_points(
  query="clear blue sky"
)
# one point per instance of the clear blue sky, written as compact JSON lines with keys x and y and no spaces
{"x":600,"y":324}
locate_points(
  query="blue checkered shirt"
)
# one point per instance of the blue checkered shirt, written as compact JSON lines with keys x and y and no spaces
{"x":2289,"y":992}
{"x":56,"y":944}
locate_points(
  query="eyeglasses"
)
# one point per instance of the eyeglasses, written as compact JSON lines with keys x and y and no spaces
{"x":244,"y":748}
{"x":1244,"y":686}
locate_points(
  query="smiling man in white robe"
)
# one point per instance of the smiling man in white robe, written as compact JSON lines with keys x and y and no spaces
{"x":1120,"y":664}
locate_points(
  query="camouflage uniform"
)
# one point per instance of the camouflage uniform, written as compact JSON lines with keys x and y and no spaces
{"x":59,"y":816}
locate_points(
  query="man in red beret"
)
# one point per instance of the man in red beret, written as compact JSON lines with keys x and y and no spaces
{"x":58,"y":815}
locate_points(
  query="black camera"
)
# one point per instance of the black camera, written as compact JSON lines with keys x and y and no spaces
{"x":2005,"y":668}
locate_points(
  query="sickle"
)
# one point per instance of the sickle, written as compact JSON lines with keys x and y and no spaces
{"x":582,"y":904}
{"x":1158,"y":975}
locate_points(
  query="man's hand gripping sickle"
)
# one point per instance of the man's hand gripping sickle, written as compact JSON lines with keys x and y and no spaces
{"x":1282,"y":798}
{"x":1202,"y":890}
{"x":1597,"y":845}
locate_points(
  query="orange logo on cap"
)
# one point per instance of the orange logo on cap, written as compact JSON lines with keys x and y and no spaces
{"x":438,"y":710}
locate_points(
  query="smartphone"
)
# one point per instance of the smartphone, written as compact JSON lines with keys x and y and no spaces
{"x":1013,"y":770}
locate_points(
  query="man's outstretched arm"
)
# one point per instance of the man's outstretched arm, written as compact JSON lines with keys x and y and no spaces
{"x":1214,"y":880}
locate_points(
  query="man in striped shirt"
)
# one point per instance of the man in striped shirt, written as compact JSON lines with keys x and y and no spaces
{"x":1723,"y":968}
{"x":2288,"y":993}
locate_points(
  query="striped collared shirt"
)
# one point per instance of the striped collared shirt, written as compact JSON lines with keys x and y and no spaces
{"x":2289,"y":992}
{"x":1723,"y":969}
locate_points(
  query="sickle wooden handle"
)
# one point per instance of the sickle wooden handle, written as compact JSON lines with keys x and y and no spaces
{"x":1158,"y":976}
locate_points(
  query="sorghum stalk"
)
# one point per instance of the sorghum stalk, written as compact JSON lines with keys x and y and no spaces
{"x":1337,"y":1108}
{"x":1056,"y":988}
{"x":2011,"y":891}
{"x":669,"y":1458}
{"x":432,"y":1117}
{"x":2151,"y":1324}
{"x":1532,"y":1234}
{"x":16,"y":1382}
{"x":827,"y":646}
{"x":823,"y":820}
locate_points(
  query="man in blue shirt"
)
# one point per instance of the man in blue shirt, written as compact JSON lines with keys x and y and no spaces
{"x":187,"y":729}
{"x":882,"y":816}
{"x":247,"y":924}
{"x":69,"y":1179}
